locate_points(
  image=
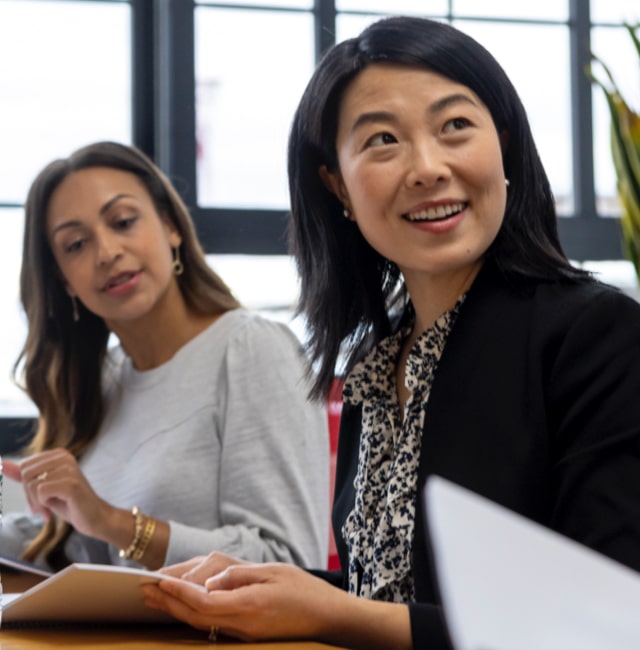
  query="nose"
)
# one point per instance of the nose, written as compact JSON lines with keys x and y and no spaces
{"x":427,"y":165}
{"x":108,"y":248}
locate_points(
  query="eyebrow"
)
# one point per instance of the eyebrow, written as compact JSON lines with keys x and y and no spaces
{"x":437,"y":107}
{"x":105,"y":208}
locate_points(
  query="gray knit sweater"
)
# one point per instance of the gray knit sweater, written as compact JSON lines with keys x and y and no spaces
{"x":220,"y":441}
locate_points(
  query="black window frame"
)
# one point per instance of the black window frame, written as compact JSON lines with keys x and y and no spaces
{"x":164,"y":126}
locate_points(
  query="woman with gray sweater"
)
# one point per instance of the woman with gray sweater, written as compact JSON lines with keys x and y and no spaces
{"x":195,"y":432}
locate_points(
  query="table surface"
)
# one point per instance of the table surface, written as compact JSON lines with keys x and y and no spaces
{"x":130,"y":637}
{"x":136,"y":638}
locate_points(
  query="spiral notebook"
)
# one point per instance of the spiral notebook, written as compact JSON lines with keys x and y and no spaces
{"x":84,"y":593}
{"x":506,"y":582}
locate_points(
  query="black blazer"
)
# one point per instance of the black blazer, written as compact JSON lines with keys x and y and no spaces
{"x":535,"y":405}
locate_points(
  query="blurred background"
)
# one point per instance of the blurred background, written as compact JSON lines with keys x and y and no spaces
{"x":208,"y":90}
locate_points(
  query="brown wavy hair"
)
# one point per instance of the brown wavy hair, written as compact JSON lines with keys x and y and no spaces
{"x":60,"y":366}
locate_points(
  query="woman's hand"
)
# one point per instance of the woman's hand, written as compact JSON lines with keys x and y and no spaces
{"x":198,"y":569}
{"x":54,"y":484}
{"x":247,"y":601}
{"x":277,"y":601}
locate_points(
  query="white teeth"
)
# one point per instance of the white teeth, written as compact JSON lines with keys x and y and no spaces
{"x":438,"y":212}
{"x":120,"y":280}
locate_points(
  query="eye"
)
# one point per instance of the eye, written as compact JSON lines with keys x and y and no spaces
{"x":75,"y":246}
{"x":380,"y":139}
{"x":456,"y":124}
{"x":124,"y":223}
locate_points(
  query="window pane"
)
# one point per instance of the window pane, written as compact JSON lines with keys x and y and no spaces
{"x":247,"y":90}
{"x":615,"y":11}
{"x":540,"y":9}
{"x":266,"y":283}
{"x":13,"y":401}
{"x":349,"y":25}
{"x":407,"y":7}
{"x":301,"y":4}
{"x":615,"y":47}
{"x":65,"y":74}
{"x":550,"y":119}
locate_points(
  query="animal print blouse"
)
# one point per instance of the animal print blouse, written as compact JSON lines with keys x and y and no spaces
{"x":379,"y":531}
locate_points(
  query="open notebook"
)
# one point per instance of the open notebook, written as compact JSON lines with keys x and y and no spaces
{"x":87,"y":593}
{"x":508,"y":583}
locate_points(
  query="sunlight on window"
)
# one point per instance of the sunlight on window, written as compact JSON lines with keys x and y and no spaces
{"x":68,"y":83}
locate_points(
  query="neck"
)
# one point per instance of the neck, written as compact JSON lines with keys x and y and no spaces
{"x":154,"y":339}
{"x":432,"y":296}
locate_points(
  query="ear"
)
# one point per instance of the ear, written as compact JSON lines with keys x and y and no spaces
{"x":173,"y":235}
{"x":333,"y":182}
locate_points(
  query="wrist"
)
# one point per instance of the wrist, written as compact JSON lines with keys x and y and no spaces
{"x":144,"y":527}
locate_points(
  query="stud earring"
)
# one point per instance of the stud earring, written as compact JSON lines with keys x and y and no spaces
{"x":74,"y":308}
{"x":506,"y":182}
{"x":178,"y":266}
{"x":346,"y":213}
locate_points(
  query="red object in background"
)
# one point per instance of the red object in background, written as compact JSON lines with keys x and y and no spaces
{"x":334,"y":411}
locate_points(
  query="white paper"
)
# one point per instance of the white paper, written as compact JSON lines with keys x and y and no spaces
{"x":21,"y":565}
{"x":87,"y":593}
{"x":508,"y":583}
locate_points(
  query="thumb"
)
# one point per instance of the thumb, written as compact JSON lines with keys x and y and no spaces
{"x":11,"y":470}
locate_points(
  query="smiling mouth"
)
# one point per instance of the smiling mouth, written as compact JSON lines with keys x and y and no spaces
{"x":118,"y":280}
{"x":439,"y":213}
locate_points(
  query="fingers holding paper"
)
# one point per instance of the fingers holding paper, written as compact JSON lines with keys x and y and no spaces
{"x":200,"y":568}
{"x":249,"y":602}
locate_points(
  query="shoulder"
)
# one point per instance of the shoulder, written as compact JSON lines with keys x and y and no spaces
{"x":560,"y":301}
{"x":594,"y":308}
{"x":257,"y":335}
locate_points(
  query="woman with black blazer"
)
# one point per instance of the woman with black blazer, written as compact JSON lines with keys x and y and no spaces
{"x":425,"y":234}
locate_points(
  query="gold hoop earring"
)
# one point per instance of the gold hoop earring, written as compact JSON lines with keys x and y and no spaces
{"x":178,"y":266}
{"x":74,"y":308}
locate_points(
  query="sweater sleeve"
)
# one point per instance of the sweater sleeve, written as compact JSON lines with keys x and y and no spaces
{"x":274,"y":463}
{"x":16,"y":531}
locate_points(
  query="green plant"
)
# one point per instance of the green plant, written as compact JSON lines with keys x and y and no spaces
{"x":625,"y":149}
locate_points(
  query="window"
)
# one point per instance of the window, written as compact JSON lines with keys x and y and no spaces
{"x":61,"y":88}
{"x":208,"y":90}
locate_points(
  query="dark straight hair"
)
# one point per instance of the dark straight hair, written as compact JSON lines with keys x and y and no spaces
{"x":348,"y":290}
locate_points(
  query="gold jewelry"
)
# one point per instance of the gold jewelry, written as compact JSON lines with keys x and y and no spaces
{"x":213,"y":634}
{"x":127,"y":553}
{"x":42,"y":477}
{"x":149,"y":529}
{"x":178,"y":266}
{"x":74,"y":307}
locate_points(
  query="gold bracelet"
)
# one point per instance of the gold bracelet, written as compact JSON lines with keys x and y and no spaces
{"x":145,"y":539}
{"x":126,"y":553}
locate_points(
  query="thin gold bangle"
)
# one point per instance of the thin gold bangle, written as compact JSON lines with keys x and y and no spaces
{"x":126,"y":553}
{"x":149,"y":529}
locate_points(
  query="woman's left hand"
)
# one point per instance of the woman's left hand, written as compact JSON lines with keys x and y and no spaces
{"x":249,"y":601}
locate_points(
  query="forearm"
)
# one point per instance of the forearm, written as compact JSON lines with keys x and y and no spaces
{"x":365,"y":624}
